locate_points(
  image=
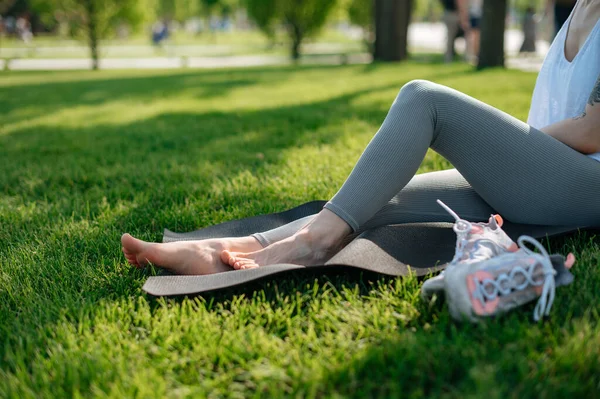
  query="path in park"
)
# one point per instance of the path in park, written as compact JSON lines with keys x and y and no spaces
{"x":425,"y":37}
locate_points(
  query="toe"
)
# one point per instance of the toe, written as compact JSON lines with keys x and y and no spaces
{"x":230,"y":258}
{"x":241,"y":263}
{"x":132,"y":260}
{"x":131,"y":244}
{"x":249,"y":265}
{"x":129,"y":256}
{"x":237,"y":260}
{"x":140,"y":252}
{"x":126,"y":252}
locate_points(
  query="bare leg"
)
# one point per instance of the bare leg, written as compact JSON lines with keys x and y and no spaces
{"x":475,"y":39}
{"x":185,"y":257}
{"x":202,"y":256}
{"x":314,"y":244}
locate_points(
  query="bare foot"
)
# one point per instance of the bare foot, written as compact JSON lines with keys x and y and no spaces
{"x":185,"y":257}
{"x":314,"y":244}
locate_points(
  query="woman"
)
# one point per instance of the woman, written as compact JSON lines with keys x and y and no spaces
{"x":456,"y":18}
{"x":475,"y":12}
{"x":544,"y":172}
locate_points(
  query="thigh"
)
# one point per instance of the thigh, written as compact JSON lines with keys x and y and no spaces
{"x":526,"y":175}
{"x":416,"y":202}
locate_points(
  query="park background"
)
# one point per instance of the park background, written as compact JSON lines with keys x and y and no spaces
{"x":178,"y":135}
{"x":76,"y":34}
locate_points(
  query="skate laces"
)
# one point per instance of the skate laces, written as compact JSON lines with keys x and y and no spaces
{"x":462,"y":228}
{"x":504,"y":284}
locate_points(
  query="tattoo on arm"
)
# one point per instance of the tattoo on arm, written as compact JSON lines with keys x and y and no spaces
{"x":594,"y":98}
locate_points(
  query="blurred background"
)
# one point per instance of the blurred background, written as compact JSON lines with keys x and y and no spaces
{"x":122,"y":34}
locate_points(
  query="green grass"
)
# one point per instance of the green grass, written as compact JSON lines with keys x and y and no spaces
{"x":87,"y":156}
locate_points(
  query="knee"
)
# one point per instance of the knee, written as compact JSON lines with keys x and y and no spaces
{"x":421,"y":91}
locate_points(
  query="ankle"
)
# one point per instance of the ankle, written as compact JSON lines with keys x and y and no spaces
{"x":327,"y":230}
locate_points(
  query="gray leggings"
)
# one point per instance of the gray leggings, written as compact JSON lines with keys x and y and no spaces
{"x":502,"y":166}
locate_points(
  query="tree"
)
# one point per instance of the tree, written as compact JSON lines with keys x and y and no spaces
{"x":264,"y":15}
{"x":392,"y":18}
{"x":493,"y":24}
{"x":177,"y":10}
{"x":5,"y":5}
{"x":95,"y":19}
{"x":300,"y":18}
{"x":360,"y":13}
{"x":304,"y":18}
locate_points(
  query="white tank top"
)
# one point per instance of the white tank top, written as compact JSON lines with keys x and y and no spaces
{"x":563,"y":88}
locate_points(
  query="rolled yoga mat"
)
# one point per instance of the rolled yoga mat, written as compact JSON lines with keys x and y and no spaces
{"x":387,"y":250}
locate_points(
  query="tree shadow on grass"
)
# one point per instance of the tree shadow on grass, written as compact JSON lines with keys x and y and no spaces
{"x":76,"y":160}
{"x":170,"y":158}
{"x":70,"y":183}
{"x":50,"y":96}
{"x":53,"y":96}
{"x":93,"y":90}
{"x":73,"y":177}
{"x":73,"y":182}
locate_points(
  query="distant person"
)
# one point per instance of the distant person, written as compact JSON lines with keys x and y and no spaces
{"x":160,"y":32}
{"x":562,"y":10}
{"x":23,"y":30}
{"x":474,"y":37}
{"x":9,"y":24}
{"x":529,"y":31}
{"x":455,"y":18}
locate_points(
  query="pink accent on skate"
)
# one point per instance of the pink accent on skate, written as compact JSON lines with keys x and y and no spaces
{"x":499,"y":220}
{"x":476,"y":229}
{"x":479,"y":308}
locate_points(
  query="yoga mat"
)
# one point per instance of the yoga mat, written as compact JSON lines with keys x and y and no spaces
{"x":395,"y":250}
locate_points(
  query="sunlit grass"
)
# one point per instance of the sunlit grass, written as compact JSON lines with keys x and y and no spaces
{"x":87,"y":156}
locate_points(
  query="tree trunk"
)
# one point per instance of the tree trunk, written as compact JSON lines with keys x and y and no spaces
{"x":92,"y":26}
{"x":296,"y":49}
{"x":297,"y":37}
{"x":392,"y":18}
{"x":493,"y":24}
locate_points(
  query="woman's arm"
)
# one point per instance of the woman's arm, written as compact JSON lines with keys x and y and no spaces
{"x":581,"y":133}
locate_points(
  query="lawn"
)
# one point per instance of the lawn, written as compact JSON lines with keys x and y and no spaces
{"x":87,"y":156}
